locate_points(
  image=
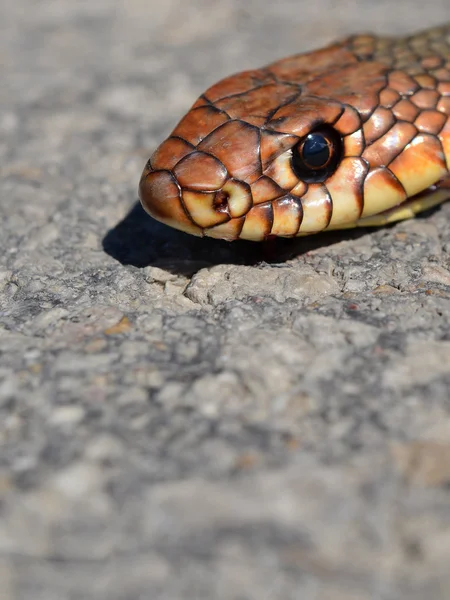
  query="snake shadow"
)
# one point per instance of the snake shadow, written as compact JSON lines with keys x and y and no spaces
{"x":141,"y":241}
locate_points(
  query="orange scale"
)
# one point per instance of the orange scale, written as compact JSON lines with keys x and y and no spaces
{"x":426,"y":81}
{"x":198,"y":123}
{"x":420,"y":165}
{"x":259,"y":102}
{"x":379,"y":123}
{"x":302,"y":67}
{"x":258,"y":223}
{"x":430,"y":121}
{"x":348,"y":86}
{"x":389,"y":97}
{"x":365,"y":103}
{"x":201,"y":172}
{"x":345,"y":187}
{"x":444,"y":105}
{"x":402,"y":83}
{"x":300,"y":189}
{"x":348,"y":122}
{"x":442,"y":74}
{"x":385,"y":149}
{"x":237,"y":84}
{"x":405,"y":110}
{"x":202,"y":210}
{"x":432,"y":62}
{"x":255,"y":120}
{"x":280,"y":170}
{"x":317,"y":208}
{"x":228,"y":231}
{"x":169,"y":153}
{"x":414,"y":69}
{"x":300,"y":116}
{"x":236,"y":145}
{"x":264,"y":189}
{"x":287,"y":216}
{"x":354,"y":144}
{"x":273,"y":144}
{"x":426,"y":98}
{"x":444,"y":138}
{"x":382,"y":191}
{"x":444,"y":88}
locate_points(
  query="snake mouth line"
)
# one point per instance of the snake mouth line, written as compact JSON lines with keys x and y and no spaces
{"x":443,"y":185}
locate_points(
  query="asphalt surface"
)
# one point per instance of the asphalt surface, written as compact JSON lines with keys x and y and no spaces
{"x":189,"y":419}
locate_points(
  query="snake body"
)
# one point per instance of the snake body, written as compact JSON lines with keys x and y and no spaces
{"x":357,"y":133}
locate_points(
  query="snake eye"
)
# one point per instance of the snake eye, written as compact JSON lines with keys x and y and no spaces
{"x":317,"y":155}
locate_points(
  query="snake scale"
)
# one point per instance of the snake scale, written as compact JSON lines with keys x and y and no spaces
{"x":354,"y":134}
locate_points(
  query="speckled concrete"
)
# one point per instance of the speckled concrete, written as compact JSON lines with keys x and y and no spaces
{"x":183,"y":418}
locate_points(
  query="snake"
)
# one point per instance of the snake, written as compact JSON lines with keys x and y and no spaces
{"x":354,"y":134}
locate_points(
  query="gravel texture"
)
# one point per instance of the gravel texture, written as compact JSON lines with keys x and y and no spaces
{"x":190,"y":419}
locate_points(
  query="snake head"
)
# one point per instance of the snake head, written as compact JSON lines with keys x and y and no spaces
{"x":281,"y":151}
{"x":235,"y":172}
{"x":225,"y":171}
{"x":235,"y":166}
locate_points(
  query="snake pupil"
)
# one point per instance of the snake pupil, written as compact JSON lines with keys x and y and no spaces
{"x":317,"y":156}
{"x":316,"y":151}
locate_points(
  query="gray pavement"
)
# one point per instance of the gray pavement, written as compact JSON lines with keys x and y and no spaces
{"x":184,"y":418}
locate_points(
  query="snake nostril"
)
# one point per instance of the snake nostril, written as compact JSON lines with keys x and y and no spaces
{"x":221,"y":201}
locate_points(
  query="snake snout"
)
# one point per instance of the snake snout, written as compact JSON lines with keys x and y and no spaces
{"x":194,"y":194}
{"x":160,"y":196}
